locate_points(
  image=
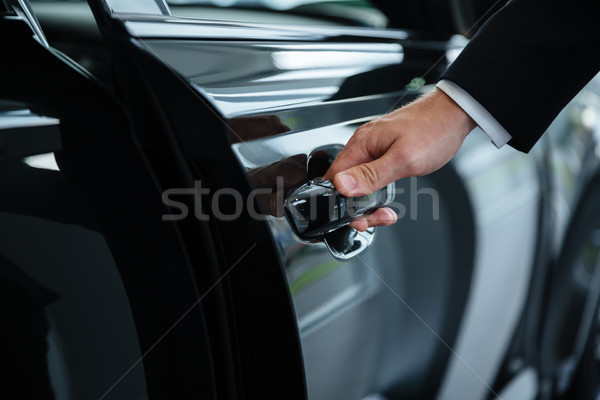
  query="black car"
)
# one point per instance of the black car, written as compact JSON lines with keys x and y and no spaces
{"x":141,"y":143}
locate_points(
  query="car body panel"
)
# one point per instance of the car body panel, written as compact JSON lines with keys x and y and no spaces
{"x":214,"y":101}
{"x":337,"y":297}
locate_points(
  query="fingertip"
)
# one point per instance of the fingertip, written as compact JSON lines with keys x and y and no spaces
{"x":381,"y":217}
{"x":392,"y":217}
{"x":345,"y":183}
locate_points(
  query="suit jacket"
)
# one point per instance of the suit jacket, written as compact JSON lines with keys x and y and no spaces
{"x":528,"y":61}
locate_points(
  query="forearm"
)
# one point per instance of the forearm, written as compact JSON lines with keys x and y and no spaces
{"x":528,"y":61}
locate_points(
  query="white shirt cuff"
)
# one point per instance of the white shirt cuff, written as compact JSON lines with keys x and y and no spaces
{"x":480,"y":115}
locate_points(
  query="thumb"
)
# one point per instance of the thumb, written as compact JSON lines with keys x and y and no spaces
{"x":367,"y":178}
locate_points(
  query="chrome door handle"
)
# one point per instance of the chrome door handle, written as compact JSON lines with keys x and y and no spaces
{"x":316,"y":211}
{"x":316,"y":208}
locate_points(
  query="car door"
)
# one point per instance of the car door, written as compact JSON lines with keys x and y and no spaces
{"x":240,"y":103}
{"x":228,"y":303}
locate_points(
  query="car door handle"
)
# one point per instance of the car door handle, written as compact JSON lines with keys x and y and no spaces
{"x":316,"y":211}
{"x":316,"y":208}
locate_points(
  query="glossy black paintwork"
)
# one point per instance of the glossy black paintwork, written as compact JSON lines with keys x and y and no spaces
{"x":296,"y":106}
{"x":294,"y":90}
{"x":305,"y":88}
{"x":100,"y":163}
{"x":308,"y":77}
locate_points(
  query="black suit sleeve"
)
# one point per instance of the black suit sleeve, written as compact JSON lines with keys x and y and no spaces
{"x":528,"y":61}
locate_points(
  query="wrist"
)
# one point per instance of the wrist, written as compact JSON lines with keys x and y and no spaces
{"x":459,"y":121}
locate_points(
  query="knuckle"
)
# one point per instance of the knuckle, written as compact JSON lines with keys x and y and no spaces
{"x":359,"y":133}
{"x":407,"y":160}
{"x":363,"y":130}
{"x":370,"y":174}
{"x":410,"y":167}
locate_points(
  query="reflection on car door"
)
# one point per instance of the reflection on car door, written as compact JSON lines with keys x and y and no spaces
{"x":280,"y":92}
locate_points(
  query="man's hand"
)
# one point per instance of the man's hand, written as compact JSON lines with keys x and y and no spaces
{"x":414,"y":140}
